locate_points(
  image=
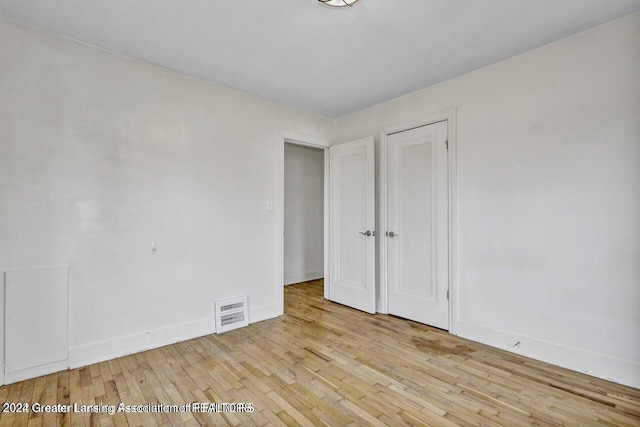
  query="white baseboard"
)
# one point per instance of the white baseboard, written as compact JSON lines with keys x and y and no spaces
{"x":122,"y":346}
{"x":264,"y":312}
{"x":88,"y":354}
{"x":110,"y":349}
{"x":290,"y":279}
{"x":597,"y":365}
{"x":36,"y":371}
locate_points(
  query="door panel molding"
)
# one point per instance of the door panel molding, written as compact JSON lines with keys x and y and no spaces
{"x":449,"y":115}
{"x":350,"y":232}
{"x":398,"y":152}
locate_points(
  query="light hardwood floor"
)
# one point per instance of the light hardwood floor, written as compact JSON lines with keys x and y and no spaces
{"x":325,"y":364}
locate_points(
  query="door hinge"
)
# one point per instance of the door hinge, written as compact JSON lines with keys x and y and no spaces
{"x":446,"y":143}
{"x":447,"y":294}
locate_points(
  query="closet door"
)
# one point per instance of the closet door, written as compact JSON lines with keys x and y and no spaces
{"x":417,"y":223}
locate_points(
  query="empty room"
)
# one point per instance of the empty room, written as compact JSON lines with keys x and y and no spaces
{"x":319,"y":212}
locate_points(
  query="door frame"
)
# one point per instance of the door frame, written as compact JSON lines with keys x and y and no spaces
{"x":448,"y":115}
{"x":289,"y":137}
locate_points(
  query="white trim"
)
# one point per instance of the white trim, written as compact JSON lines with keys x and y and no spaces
{"x":286,"y":136}
{"x":36,"y":371}
{"x":88,"y":354}
{"x":101,"y":351}
{"x":608,"y":368}
{"x":327,"y":278}
{"x":302,"y":139}
{"x":263,"y":312}
{"x":450,"y":116}
{"x":383,"y":303}
{"x":68,"y":315}
{"x":2,"y":323}
{"x":290,"y":279}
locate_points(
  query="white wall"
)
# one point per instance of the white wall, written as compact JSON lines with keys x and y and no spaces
{"x":100,"y":155}
{"x":548,"y":198}
{"x":303,"y":213}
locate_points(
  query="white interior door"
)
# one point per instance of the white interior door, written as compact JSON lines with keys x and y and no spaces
{"x":352,"y":225}
{"x":417,"y":223}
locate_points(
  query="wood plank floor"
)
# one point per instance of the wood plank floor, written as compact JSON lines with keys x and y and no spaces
{"x":325,"y":364}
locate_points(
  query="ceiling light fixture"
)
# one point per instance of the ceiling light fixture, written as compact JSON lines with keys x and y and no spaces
{"x":339,"y":3}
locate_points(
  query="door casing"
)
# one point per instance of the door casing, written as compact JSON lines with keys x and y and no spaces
{"x":450,"y":116}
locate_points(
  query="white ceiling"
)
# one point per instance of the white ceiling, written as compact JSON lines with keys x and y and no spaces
{"x":304,"y":54}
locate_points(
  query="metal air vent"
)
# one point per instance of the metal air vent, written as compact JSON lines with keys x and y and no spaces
{"x":231,"y":313}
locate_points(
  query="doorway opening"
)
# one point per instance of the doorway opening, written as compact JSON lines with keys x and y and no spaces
{"x":303,"y":214}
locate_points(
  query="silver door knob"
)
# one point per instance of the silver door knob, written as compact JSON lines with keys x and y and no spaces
{"x":392,"y":234}
{"x":367,"y":233}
